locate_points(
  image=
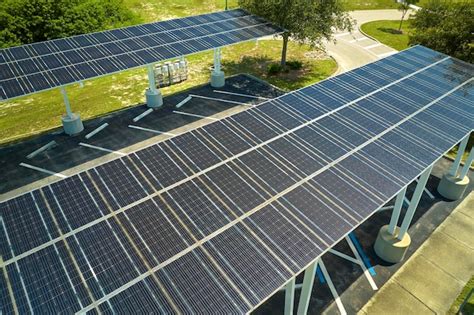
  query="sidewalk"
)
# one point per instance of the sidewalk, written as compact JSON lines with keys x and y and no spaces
{"x":433,"y":277}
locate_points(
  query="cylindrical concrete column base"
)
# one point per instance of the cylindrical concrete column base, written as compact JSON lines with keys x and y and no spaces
{"x":217,"y":79}
{"x":452,"y":188}
{"x":72,"y":124}
{"x":154,"y":99}
{"x":389,"y":247}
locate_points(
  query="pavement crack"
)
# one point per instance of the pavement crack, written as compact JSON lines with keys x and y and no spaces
{"x":413,"y":295}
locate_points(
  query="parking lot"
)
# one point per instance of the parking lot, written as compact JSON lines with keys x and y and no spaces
{"x":122,"y":135}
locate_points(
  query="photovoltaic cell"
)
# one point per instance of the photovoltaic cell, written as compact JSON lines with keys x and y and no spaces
{"x":56,"y":291}
{"x":294,"y":244}
{"x":21,"y":225}
{"x":208,"y":292}
{"x":6,"y":304}
{"x":143,"y":297}
{"x":239,"y":230}
{"x":247,"y":262}
{"x":152,"y":223}
{"x":237,"y":190}
{"x":102,"y":257}
{"x":327,"y":222}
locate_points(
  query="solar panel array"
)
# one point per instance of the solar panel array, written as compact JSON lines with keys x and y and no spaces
{"x":217,"y":219}
{"x":45,"y":65}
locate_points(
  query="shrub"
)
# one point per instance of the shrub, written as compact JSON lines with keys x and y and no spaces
{"x":294,"y":65}
{"x":274,"y":68}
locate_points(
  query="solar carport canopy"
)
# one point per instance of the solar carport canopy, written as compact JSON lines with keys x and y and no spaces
{"x":33,"y":68}
{"x":217,"y":219}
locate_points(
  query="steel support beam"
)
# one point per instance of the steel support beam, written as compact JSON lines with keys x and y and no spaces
{"x":396,"y":211}
{"x":217,"y":59}
{"x":453,"y":170}
{"x":290,"y":296}
{"x":66,"y":102}
{"x":366,"y":272}
{"x":467,"y":164}
{"x":414,"y":202}
{"x":307,"y":288}
{"x":151,"y":78}
{"x":332,"y":288}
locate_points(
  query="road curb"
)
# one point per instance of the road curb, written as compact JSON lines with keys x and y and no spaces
{"x":367,"y":35}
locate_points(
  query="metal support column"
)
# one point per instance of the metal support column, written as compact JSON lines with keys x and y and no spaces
{"x":451,"y":186}
{"x":307,"y":288}
{"x":467,"y":164}
{"x":217,"y":75}
{"x":290,"y":296}
{"x":455,"y":166}
{"x":396,"y":211}
{"x":151,"y":78}
{"x":217,"y":59}
{"x":72,"y":123}
{"x":154,"y":99}
{"x":66,"y":102}
{"x":414,"y":202}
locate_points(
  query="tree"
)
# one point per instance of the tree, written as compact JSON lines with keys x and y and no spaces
{"x":446,"y":27}
{"x":306,"y":21}
{"x":404,"y":7}
{"x":28,"y":21}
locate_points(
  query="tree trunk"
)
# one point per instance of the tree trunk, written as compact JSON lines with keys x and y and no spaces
{"x":401,"y":21}
{"x":284,"y":49}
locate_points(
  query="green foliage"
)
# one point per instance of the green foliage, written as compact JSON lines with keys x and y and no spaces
{"x":295,"y":64}
{"x":274,"y":68}
{"x":446,"y":27}
{"x":306,"y":21}
{"x":28,"y":21}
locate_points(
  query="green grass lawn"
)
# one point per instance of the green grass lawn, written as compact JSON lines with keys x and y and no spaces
{"x":469,"y":307}
{"x":40,"y":112}
{"x":387,"y":33}
{"x":370,"y":4}
{"x":157,"y":10}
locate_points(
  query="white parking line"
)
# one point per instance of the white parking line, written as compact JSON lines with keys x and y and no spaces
{"x":101,"y":149}
{"x":47,"y":146}
{"x":239,"y":94}
{"x":194,"y":115}
{"x":343,"y":34}
{"x":152,"y":130}
{"x":96,"y":131}
{"x":145,"y":113}
{"x":358,"y":39}
{"x":43,"y":170}
{"x":219,"y":100}
{"x":187,"y":99}
{"x":373,"y":46}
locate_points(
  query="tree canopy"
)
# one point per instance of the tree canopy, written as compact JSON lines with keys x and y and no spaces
{"x":28,"y":21}
{"x":446,"y":27}
{"x":306,"y":21}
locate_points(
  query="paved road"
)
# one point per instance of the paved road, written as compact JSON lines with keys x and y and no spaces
{"x":355,"y":50}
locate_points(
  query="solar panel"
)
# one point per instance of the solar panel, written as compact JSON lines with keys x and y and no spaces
{"x":240,"y":205}
{"x":37,"y":67}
